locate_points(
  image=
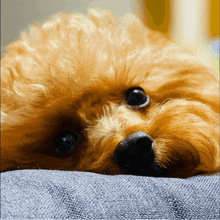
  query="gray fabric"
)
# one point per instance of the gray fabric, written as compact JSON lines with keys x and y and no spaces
{"x":45,"y":194}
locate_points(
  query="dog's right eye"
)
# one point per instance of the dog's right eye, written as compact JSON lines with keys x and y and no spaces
{"x":136,"y":97}
{"x":66,"y":141}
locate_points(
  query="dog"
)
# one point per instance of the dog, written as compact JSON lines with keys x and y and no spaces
{"x":92,"y":93}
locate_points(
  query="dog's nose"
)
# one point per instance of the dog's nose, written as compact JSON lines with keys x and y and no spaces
{"x":134,"y":154}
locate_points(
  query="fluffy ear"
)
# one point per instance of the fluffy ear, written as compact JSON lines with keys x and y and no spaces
{"x":103,"y":18}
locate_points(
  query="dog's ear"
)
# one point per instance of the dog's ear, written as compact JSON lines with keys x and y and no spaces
{"x":103,"y":18}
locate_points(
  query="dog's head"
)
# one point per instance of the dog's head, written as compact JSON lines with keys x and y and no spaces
{"x":90,"y":94}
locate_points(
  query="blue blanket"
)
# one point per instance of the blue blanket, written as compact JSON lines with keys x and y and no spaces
{"x":45,"y":194}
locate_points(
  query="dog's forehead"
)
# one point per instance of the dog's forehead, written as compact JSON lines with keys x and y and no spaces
{"x":160,"y":74}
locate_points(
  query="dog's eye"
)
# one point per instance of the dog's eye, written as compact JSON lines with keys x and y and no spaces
{"x":136,"y":97}
{"x":66,"y":142}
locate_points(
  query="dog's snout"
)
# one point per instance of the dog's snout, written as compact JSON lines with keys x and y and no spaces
{"x":134,"y":154}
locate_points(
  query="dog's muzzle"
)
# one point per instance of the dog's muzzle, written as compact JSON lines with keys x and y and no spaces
{"x":135,"y":155}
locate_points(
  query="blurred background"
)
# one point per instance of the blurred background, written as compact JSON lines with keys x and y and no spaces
{"x":194,"y":21}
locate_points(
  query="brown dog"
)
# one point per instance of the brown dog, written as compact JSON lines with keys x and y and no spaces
{"x":91,"y":94}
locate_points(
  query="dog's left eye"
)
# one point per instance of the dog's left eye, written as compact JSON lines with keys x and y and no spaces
{"x":136,"y":97}
{"x":66,"y":142}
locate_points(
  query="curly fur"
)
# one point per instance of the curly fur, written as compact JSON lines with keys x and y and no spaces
{"x":72,"y":71}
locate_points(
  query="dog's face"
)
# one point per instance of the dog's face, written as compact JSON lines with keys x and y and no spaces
{"x":89,"y":94}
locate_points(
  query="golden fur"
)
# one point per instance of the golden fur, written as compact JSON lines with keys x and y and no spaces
{"x":72,"y":72}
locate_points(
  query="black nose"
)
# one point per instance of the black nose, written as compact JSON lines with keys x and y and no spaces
{"x":134,"y":154}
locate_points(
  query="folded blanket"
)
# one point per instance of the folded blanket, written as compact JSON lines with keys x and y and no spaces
{"x":45,"y":194}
